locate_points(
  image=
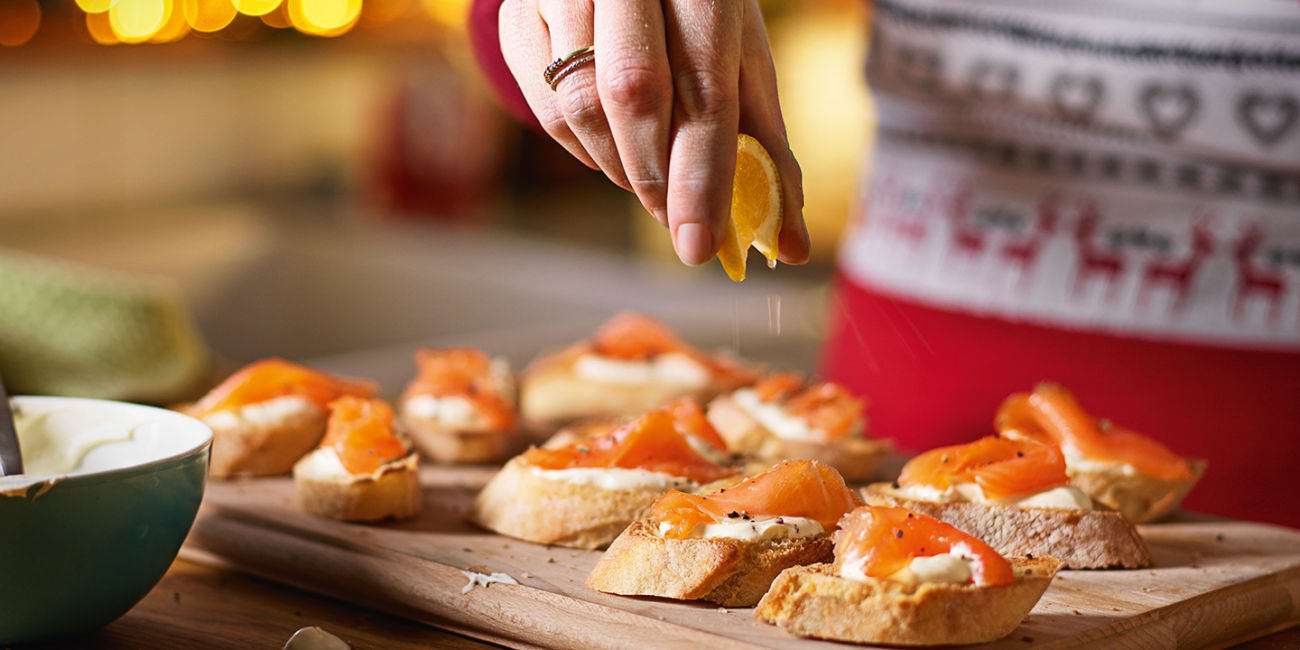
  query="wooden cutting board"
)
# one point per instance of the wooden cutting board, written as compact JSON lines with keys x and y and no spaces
{"x":1215,"y":582}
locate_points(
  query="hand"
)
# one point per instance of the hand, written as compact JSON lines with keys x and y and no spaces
{"x":673,"y":82}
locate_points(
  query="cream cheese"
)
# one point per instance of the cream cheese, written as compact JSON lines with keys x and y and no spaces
{"x":953,"y":567}
{"x":706,"y":450}
{"x":1075,"y":462}
{"x":1063,"y":497}
{"x":322,"y":462}
{"x":617,"y":478}
{"x":755,"y":529}
{"x":258,"y":414}
{"x":775,"y":418}
{"x":57,"y":442}
{"x":669,"y":368}
{"x":452,"y":411}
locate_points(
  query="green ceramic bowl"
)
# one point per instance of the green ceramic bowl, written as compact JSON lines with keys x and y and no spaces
{"x":79,"y":549}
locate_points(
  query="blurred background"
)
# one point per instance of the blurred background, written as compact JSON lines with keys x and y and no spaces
{"x":323,"y":179}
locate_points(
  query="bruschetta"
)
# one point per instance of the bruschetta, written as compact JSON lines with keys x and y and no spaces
{"x":460,"y":408}
{"x":782,"y":417}
{"x":362,"y":471}
{"x":632,"y":363}
{"x":584,"y":494}
{"x":1120,"y":469}
{"x":268,"y":414}
{"x":1014,"y":494}
{"x":903,"y":578}
{"x":726,"y":547}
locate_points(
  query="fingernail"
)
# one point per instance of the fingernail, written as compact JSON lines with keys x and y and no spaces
{"x":660,"y":215}
{"x":694,"y":243}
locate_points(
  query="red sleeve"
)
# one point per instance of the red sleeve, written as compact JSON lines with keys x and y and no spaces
{"x":485,"y":38}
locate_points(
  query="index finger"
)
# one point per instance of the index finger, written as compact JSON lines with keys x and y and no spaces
{"x":636,"y":91}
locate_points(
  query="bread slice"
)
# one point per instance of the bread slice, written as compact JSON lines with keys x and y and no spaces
{"x":729,"y":572}
{"x":519,"y":503}
{"x":393,"y":491}
{"x":1140,"y":498}
{"x":266,"y":444}
{"x":551,"y":394}
{"x":449,"y":445}
{"x":855,"y":457}
{"x":1082,"y":539}
{"x":814,"y":601}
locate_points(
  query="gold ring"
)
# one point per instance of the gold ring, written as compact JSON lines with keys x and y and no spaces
{"x":565,"y":65}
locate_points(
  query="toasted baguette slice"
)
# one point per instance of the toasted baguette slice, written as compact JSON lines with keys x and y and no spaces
{"x":729,"y":572}
{"x":815,"y":601}
{"x":551,"y":394}
{"x":1140,"y":498}
{"x":1082,"y":539}
{"x":264,"y":439}
{"x":519,"y":503}
{"x":451,"y":446}
{"x":393,"y":491}
{"x":855,"y":457}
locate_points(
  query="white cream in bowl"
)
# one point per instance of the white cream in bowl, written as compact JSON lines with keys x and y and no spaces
{"x":63,"y":436}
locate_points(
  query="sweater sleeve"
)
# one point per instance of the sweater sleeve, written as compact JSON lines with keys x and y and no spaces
{"x":485,"y":39}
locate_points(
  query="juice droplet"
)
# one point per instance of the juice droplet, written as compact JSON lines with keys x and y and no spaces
{"x":771,"y":263}
{"x":774,"y":314}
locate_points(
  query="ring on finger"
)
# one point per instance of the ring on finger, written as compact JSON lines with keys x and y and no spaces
{"x":565,"y":65}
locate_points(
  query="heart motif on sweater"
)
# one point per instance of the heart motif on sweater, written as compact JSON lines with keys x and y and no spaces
{"x":1267,"y":117}
{"x":1169,"y":109}
{"x":1077,"y":97}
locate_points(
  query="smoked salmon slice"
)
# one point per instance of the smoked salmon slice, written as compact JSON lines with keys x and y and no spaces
{"x":691,"y":420}
{"x":360,"y":431}
{"x":465,"y":373}
{"x":1001,"y":466}
{"x":826,"y":406}
{"x":652,"y":442}
{"x":794,"y":488}
{"x":886,"y":539}
{"x":1052,"y":414}
{"x":268,"y":379}
{"x":632,"y":336}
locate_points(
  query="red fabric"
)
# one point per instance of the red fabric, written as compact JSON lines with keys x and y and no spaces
{"x":935,"y":377}
{"x":484,"y":36}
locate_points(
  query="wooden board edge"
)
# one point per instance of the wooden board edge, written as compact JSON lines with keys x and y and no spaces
{"x":1262,"y":605}
{"x":371,"y":574}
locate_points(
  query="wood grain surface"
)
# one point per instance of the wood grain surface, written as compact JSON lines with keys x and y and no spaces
{"x":1215,"y":582}
{"x":200,"y":606}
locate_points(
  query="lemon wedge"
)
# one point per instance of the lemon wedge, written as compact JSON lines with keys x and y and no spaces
{"x":755,"y":209}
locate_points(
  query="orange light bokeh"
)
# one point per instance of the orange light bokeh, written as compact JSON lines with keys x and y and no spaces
{"x":100,"y":29}
{"x":175,"y":28}
{"x":209,"y":16}
{"x":19,"y":21}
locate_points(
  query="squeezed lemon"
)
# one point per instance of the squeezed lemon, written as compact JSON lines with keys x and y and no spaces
{"x":755,"y":209}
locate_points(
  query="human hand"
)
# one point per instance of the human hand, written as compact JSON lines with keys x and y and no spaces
{"x":673,"y":83}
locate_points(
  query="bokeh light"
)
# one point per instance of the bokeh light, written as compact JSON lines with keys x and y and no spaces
{"x":452,"y":13}
{"x":380,"y":12}
{"x":96,"y":6}
{"x":324,"y":17}
{"x":209,"y":15}
{"x":175,"y":27}
{"x":19,"y":20}
{"x":279,"y":18}
{"x":100,"y":28}
{"x":134,"y":21}
{"x":256,"y":7}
